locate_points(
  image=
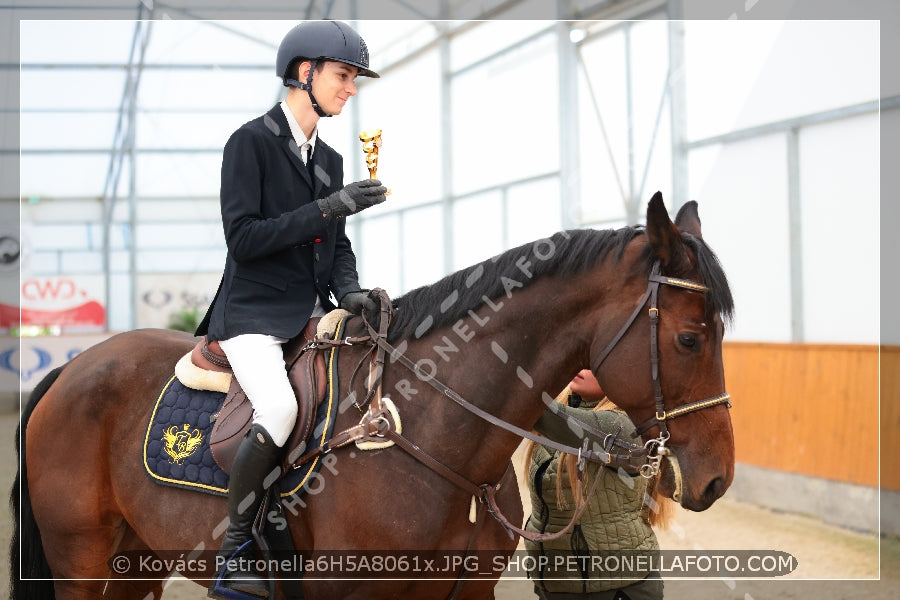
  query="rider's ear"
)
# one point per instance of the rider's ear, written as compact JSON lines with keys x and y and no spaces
{"x":665,"y":238}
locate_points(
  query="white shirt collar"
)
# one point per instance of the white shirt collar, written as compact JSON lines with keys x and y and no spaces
{"x":296,"y":132}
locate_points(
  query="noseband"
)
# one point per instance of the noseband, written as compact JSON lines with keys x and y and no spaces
{"x":657,"y":447}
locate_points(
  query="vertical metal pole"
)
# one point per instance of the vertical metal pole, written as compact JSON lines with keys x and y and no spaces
{"x":114,"y":171}
{"x":631,"y":206}
{"x":796,"y":234}
{"x":678,"y":105}
{"x":356,"y":161}
{"x":136,"y":70}
{"x":132,"y":212}
{"x":446,"y":137}
{"x":569,"y":164}
{"x":123,"y":147}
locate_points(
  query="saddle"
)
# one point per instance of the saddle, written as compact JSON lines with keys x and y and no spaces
{"x":306,"y":372}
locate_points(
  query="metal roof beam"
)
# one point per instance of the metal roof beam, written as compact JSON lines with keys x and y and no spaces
{"x":125,"y":66}
{"x":797,"y":122}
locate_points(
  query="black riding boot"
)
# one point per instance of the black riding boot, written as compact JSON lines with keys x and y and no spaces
{"x":255,"y":460}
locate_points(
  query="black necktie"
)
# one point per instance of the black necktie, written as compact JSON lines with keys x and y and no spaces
{"x":309,"y":161}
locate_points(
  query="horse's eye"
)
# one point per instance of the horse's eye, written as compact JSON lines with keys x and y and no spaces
{"x":688,"y":340}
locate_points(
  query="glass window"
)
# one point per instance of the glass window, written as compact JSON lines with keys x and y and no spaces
{"x":181,"y":41}
{"x":64,"y":237}
{"x":839,"y":188}
{"x":239,"y":89}
{"x":377,"y":251}
{"x":177,"y":260}
{"x":84,"y":88}
{"x":478,"y":229}
{"x":178,"y":174}
{"x":532,"y":211}
{"x":37,"y":262}
{"x":178,"y":235}
{"x":197,"y":129}
{"x":390,"y":41}
{"x":406,"y":105}
{"x":63,"y":175}
{"x":512,"y":103}
{"x":70,"y":130}
{"x":422,"y":257}
{"x":69,"y":39}
{"x":745,"y":222}
{"x":174,"y":208}
{"x":488,"y":37}
{"x":796,"y":67}
{"x":81,"y":262}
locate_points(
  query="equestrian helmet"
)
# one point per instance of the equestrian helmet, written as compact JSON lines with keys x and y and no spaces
{"x":322,"y":40}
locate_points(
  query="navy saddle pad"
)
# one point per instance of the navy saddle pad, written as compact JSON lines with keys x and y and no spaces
{"x":176,"y":446}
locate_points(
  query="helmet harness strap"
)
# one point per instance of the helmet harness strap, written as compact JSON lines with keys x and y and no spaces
{"x":307,"y":86}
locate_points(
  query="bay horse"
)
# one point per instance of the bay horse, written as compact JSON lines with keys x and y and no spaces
{"x":502,"y":334}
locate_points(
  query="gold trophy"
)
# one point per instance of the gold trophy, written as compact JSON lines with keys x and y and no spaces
{"x":371,"y":141}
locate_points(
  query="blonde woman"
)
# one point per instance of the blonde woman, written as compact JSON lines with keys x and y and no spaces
{"x":597,"y":559}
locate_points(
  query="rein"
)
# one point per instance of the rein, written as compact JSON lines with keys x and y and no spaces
{"x":653,"y":451}
{"x":604,"y":455}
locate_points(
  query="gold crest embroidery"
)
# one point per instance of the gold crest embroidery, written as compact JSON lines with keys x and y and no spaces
{"x":181,"y":444}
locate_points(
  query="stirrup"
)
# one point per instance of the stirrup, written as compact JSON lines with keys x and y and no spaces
{"x":219,"y":590}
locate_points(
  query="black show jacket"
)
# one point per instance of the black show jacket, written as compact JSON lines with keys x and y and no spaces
{"x":282,"y":252}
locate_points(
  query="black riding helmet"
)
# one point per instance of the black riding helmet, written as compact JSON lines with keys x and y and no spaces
{"x":320,"y":40}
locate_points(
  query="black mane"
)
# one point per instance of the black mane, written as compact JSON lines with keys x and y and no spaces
{"x":450,"y":299}
{"x":565,"y":253}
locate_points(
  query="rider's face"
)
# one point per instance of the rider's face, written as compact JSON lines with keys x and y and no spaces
{"x":333,"y":85}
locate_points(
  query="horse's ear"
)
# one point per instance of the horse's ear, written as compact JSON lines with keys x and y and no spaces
{"x":664,"y":236}
{"x":688,"y":220}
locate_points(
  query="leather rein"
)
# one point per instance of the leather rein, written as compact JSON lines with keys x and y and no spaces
{"x":378,"y":426}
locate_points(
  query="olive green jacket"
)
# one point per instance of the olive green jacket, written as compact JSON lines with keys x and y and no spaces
{"x":613,"y":521}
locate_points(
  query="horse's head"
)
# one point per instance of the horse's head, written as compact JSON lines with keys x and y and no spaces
{"x":682,"y":401}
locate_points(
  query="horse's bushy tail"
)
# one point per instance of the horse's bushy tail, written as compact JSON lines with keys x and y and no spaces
{"x":29,"y":572}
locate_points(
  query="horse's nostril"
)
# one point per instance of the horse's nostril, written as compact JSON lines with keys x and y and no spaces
{"x":714,"y":490}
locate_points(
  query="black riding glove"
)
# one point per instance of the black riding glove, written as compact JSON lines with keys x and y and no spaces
{"x":351,"y":199}
{"x":357,"y":302}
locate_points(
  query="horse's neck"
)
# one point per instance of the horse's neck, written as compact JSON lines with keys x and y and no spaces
{"x":517,"y":349}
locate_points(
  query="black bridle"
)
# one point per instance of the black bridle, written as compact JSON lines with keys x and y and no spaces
{"x":657,"y":446}
{"x":662,"y":415}
{"x":653,"y":451}
{"x":378,"y":339}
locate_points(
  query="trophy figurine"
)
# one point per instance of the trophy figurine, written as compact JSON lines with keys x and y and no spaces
{"x":371,"y":141}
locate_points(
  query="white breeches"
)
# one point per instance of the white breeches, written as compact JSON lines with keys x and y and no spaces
{"x":258,"y":363}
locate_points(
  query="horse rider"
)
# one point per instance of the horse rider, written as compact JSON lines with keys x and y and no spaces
{"x":283,"y":209}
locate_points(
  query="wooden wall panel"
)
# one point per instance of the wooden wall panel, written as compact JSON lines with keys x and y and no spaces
{"x":890,"y":417}
{"x":806,"y":408}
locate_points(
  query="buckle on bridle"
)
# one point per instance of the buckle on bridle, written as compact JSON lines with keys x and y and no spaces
{"x":580,"y":462}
